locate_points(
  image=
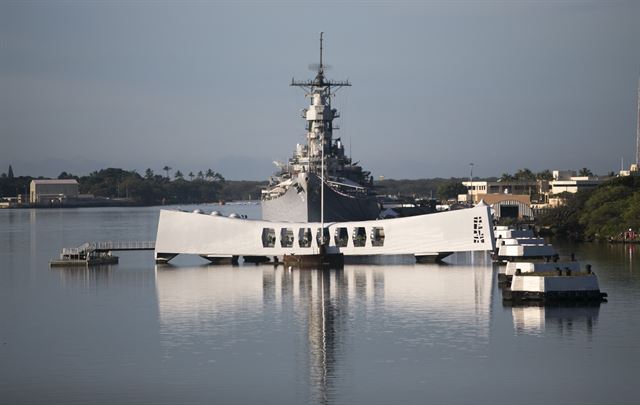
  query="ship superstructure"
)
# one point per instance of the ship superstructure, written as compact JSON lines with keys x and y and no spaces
{"x":294,"y":192}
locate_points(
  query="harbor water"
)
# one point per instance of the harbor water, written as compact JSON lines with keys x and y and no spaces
{"x":193,"y":333}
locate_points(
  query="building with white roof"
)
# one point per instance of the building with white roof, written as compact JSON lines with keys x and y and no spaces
{"x":566,"y":181}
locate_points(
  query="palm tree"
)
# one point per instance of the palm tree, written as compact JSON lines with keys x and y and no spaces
{"x":191,"y":176}
{"x":544,"y":175}
{"x":148,"y":174}
{"x":166,"y":169}
{"x":584,"y":172}
{"x":179,"y":175}
{"x":200,"y":175}
{"x":506,"y":177}
{"x":209,"y":174}
{"x":524,"y":175}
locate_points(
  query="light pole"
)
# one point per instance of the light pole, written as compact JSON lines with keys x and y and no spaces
{"x":470,"y":180}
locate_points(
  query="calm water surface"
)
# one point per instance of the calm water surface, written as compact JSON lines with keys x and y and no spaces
{"x":191,"y":333}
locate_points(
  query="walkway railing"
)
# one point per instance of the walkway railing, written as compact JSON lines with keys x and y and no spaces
{"x":106,"y":246}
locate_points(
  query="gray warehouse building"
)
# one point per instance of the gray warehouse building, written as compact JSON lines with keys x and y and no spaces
{"x":52,"y":191}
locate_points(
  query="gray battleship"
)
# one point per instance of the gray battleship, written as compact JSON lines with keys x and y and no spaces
{"x":294,"y":193}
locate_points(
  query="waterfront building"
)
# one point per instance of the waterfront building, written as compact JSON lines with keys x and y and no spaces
{"x":566,"y":181}
{"x":52,"y":191}
{"x":633,"y":171}
{"x":519,"y":198}
{"x":539,"y":191}
{"x":477,"y":190}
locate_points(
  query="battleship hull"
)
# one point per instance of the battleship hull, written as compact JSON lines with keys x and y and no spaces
{"x":301,"y":203}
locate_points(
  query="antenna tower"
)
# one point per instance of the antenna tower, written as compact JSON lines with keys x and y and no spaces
{"x":638,"y":129}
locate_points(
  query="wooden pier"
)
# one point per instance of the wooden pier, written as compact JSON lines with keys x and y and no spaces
{"x":97,"y":253}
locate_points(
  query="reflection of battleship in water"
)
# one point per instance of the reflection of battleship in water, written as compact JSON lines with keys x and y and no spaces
{"x":324,"y":304}
{"x":330,"y":302}
{"x":320,"y":300}
{"x":326,"y":314}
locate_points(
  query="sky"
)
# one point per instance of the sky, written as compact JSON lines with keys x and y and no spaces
{"x":437,"y":85}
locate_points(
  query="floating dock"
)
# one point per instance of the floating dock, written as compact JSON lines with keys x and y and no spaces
{"x":97,"y":253}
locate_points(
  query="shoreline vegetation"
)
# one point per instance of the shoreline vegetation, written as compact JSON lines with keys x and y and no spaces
{"x":604,"y":213}
{"x":114,"y":186}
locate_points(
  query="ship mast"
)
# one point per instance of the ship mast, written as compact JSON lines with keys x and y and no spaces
{"x":319,"y":82}
{"x":321,"y":72}
{"x":319,"y":117}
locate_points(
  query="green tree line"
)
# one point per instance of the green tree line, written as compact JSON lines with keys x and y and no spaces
{"x":439,"y":188}
{"x":150,"y":189}
{"x":206,"y":186}
{"x":153,"y":188}
{"x":601,"y":213}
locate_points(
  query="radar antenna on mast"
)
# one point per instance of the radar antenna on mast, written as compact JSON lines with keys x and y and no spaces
{"x":320,"y":80}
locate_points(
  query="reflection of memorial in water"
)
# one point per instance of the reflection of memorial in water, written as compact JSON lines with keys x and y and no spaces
{"x":451,"y":302}
{"x":317,"y":318}
{"x":321,"y":301}
{"x":204,"y":301}
{"x":561,"y":319}
{"x":445,"y":307}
